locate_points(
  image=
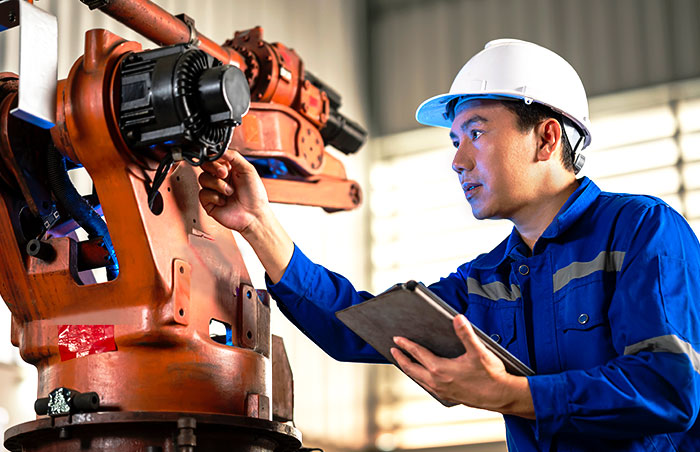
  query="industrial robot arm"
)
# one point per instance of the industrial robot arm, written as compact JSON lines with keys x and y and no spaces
{"x":141,"y":346}
{"x":292,"y":117}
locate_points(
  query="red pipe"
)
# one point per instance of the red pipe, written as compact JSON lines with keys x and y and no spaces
{"x":158,"y":25}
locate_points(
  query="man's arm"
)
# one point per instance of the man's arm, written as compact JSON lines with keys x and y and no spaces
{"x":233,"y":194}
{"x":307,"y":293}
{"x":653,"y":385}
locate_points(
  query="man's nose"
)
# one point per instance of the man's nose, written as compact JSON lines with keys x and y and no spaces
{"x":463,"y":160}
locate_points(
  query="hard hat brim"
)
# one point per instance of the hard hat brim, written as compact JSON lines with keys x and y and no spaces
{"x":433,"y":111}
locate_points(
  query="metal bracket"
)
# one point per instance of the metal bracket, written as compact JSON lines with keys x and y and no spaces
{"x":38,"y":60}
{"x":194,"y":38}
{"x":95,"y":4}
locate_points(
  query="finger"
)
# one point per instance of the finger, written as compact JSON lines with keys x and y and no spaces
{"x":240,"y":163}
{"x":210,"y":199}
{"x":218,"y":168}
{"x":421,"y":354}
{"x":206,"y":180}
{"x":465,"y":332}
{"x":228,"y":155}
{"x":413,"y":370}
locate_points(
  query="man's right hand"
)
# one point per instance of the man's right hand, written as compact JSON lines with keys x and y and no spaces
{"x":232,"y":192}
{"x":234,"y":195}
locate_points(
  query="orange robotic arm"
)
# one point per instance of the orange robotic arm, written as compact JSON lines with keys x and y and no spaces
{"x":292,"y":117}
{"x":137,"y":351}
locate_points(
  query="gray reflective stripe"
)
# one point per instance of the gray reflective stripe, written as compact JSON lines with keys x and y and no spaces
{"x":670,"y":344}
{"x":493,"y":291}
{"x":609,"y":261}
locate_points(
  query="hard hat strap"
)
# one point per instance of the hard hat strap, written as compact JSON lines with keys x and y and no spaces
{"x":570,"y":133}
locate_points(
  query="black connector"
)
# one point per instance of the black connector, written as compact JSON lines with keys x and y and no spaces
{"x":64,"y":401}
{"x":41,"y":250}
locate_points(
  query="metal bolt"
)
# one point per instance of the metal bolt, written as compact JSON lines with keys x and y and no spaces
{"x":186,"y":438}
{"x":11,"y":17}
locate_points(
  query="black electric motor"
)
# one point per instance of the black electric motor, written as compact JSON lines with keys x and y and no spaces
{"x":180,"y":100}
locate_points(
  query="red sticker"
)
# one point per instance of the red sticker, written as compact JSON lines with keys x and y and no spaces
{"x":76,"y":341}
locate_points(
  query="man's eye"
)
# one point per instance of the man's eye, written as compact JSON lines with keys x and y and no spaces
{"x":455,"y":144}
{"x":474,"y":134}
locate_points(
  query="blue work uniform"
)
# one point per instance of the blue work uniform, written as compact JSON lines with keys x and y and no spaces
{"x":605,"y":310}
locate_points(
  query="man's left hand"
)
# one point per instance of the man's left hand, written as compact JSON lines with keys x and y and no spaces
{"x":477,"y":378}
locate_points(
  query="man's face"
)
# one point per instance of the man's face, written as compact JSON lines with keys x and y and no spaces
{"x":494,"y":158}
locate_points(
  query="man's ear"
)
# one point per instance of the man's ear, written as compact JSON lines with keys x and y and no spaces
{"x":549,"y":139}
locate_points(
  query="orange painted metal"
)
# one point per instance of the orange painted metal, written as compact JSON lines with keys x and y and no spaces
{"x":158,"y":25}
{"x":315,"y":177}
{"x":178,"y":270}
{"x":287,"y":112}
{"x":276,"y":74}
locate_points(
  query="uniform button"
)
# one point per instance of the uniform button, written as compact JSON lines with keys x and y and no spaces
{"x":524,"y":269}
{"x":496,"y":338}
{"x":583,"y":319}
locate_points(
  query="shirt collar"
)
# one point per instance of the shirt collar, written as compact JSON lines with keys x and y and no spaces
{"x":570,"y":212}
{"x":573,"y":208}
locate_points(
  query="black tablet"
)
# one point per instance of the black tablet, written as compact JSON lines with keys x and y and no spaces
{"x":413,"y":311}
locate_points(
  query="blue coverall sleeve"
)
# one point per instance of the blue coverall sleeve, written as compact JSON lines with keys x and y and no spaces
{"x":653,"y":385}
{"x":309,"y":296}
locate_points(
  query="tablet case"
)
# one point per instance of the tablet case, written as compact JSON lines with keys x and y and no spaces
{"x":413,"y":311}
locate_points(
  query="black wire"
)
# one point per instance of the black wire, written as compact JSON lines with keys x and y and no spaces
{"x":197,"y":158}
{"x":159,"y":178}
{"x":190,"y":156}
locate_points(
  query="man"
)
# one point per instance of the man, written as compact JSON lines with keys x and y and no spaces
{"x":597,"y":292}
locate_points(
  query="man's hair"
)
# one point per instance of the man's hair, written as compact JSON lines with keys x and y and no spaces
{"x":531,"y":115}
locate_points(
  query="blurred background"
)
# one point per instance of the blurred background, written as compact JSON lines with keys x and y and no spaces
{"x":639,"y":61}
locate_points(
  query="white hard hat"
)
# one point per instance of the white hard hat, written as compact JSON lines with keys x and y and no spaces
{"x":510,"y":68}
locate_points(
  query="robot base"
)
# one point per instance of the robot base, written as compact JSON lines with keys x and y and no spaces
{"x":152,"y":432}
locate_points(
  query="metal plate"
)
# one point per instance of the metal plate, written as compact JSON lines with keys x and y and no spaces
{"x":38,"y":66}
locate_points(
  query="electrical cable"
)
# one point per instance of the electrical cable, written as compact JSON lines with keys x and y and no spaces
{"x":78,"y":208}
{"x":190,"y":156}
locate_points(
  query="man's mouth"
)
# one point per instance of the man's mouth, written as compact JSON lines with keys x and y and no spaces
{"x":469,"y":187}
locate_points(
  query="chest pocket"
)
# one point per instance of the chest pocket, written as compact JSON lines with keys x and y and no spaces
{"x":497,"y":321}
{"x":583,"y":329}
